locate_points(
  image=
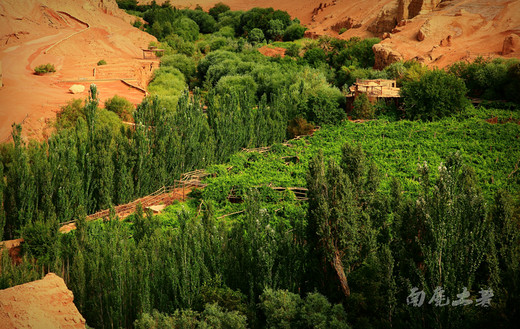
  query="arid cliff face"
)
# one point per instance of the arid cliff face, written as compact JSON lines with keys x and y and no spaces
{"x":435,"y":32}
{"x":45,"y":303}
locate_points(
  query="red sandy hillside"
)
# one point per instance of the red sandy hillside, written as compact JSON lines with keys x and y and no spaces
{"x":74,"y":36}
{"x":435,"y":32}
{"x":45,"y":303}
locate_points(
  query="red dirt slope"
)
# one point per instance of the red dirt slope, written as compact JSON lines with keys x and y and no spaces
{"x":452,"y":30}
{"x":74,"y":36}
{"x":46,"y":303}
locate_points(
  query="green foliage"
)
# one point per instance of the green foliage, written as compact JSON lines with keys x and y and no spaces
{"x":239,"y":84}
{"x":490,"y":78}
{"x":284,"y":309}
{"x":226,"y":31}
{"x":315,"y":56}
{"x":275,"y":30}
{"x":70,"y":113}
{"x":435,"y":95}
{"x":186,"y":28}
{"x":206,"y":22}
{"x":256,"y":35}
{"x":293,"y":50}
{"x":137,"y":23}
{"x":342,"y":30}
{"x":299,"y":126}
{"x":101,"y":62}
{"x":40,"y":240}
{"x":281,"y":308}
{"x":357,"y":52}
{"x":168,"y":83}
{"x":293,"y":32}
{"x":44,"y":68}
{"x":212,"y":317}
{"x":185,"y":64}
{"x":362,"y":108}
{"x":120,"y":106}
{"x":218,"y":9}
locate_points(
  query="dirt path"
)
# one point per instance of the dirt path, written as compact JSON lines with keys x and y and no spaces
{"x":156,"y":202}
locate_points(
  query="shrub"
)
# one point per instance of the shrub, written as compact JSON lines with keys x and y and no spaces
{"x":206,"y":22}
{"x":240,"y":84}
{"x":315,"y":56}
{"x":362,"y":109}
{"x":256,"y":35}
{"x":293,"y":50}
{"x":179,"y":45}
{"x":226,"y":31}
{"x":298,"y":127}
{"x":276,"y":30}
{"x":181,"y":62}
{"x":218,"y":9}
{"x":435,"y":95}
{"x":137,"y":23}
{"x":120,"y":106}
{"x":44,"y":68}
{"x":102,"y":62}
{"x":186,"y":28}
{"x":293,"y":32}
{"x":343,"y":30}
{"x":69,"y":114}
{"x":168,"y":84}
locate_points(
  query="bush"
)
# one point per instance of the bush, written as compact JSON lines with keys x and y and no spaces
{"x":362,"y":109}
{"x":435,"y":95}
{"x":168,"y":84}
{"x":240,"y":84}
{"x":293,"y":32}
{"x":492,"y":79}
{"x":186,"y":28}
{"x":181,"y":62}
{"x":315,"y":56}
{"x":179,"y":45}
{"x":218,"y":9}
{"x":102,"y":62}
{"x":342,"y":30}
{"x":298,"y":127}
{"x":120,"y":106}
{"x":69,"y":114}
{"x":256,"y":35}
{"x":293,"y":50}
{"x":44,"y":68}
{"x":137,"y":23}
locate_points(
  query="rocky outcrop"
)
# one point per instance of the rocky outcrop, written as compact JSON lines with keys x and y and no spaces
{"x":386,"y":19}
{"x":392,"y":14}
{"x":511,"y":44}
{"x":46,"y":303}
{"x":424,"y":31}
{"x":385,"y":55}
{"x":77,"y":89}
{"x":348,"y":23}
{"x":407,"y":9}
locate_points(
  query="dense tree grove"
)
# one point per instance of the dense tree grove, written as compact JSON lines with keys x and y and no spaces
{"x":365,"y":248}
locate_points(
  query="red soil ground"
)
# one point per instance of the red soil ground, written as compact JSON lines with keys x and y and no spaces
{"x":272,"y":52}
{"x":46,"y":303}
{"x":30,"y":34}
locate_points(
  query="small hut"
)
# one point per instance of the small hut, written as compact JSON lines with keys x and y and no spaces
{"x":375,"y":89}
